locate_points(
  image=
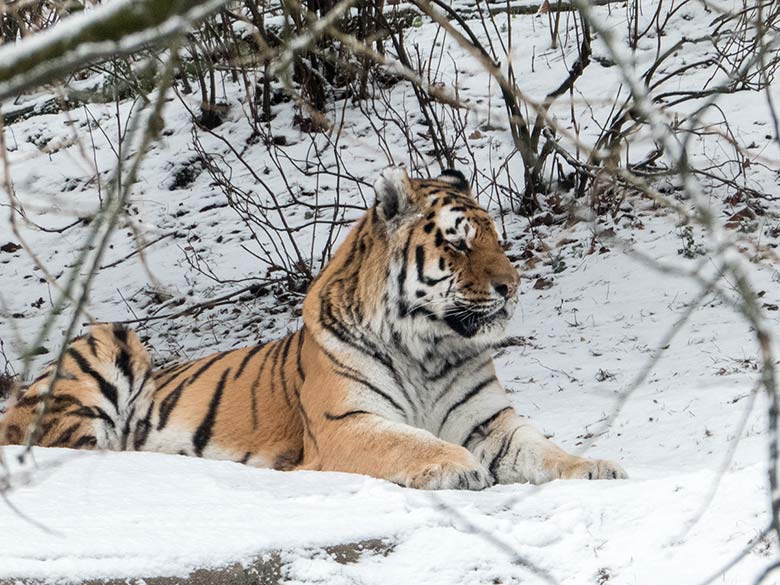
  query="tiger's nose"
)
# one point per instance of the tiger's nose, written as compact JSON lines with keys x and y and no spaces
{"x":505,"y":287}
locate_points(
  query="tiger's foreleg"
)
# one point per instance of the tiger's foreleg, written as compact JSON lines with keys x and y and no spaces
{"x":347,"y":430}
{"x":514,"y":451}
{"x":372,"y":445}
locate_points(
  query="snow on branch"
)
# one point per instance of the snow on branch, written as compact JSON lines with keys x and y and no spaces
{"x":117,"y":28}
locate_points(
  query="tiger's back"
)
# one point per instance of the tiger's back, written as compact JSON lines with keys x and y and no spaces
{"x":240,"y":405}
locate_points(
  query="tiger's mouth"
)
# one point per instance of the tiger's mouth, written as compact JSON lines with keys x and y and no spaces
{"x":467,"y":323}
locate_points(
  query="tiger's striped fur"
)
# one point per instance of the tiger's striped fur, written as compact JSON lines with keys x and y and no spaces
{"x":390,"y":376}
{"x":98,"y":400}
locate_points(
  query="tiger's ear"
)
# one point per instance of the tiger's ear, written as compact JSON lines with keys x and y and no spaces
{"x":394,"y":195}
{"x":454,"y":178}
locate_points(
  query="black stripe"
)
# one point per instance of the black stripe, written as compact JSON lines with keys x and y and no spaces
{"x":457,"y":364}
{"x":123,"y":363}
{"x":106,"y":389}
{"x":94,"y":412}
{"x":286,"y":347}
{"x":307,"y":425}
{"x":299,"y":357}
{"x":330,"y":416}
{"x":123,"y":357}
{"x":282,"y":367}
{"x":92,"y":343}
{"x":420,"y":260}
{"x":479,"y":428}
{"x":402,"y":272}
{"x":249,"y":355}
{"x":142,"y":428}
{"x":85,"y":441}
{"x":132,"y":406}
{"x":171,"y":368}
{"x":371,"y":387}
{"x":64,"y":400}
{"x":419,"y":254}
{"x":165,"y":370}
{"x":256,"y":383}
{"x":141,"y":387}
{"x":276,"y":351}
{"x":120,"y":332}
{"x":448,"y":368}
{"x":41,"y":432}
{"x":356,"y":375}
{"x":288,"y":460}
{"x":166,"y":406}
{"x":339,"y":363}
{"x":339,"y":330}
{"x":169,"y":402}
{"x":468,"y":396}
{"x":506,"y":442}
{"x":30,"y":400}
{"x":45,"y":374}
{"x":13,"y":435}
{"x":203,"y":434}
{"x":126,"y":429}
{"x":329,"y":321}
{"x":335,"y":326}
{"x":360,"y":234}
{"x":297,"y":390}
{"x":66,"y":435}
{"x":174,"y":372}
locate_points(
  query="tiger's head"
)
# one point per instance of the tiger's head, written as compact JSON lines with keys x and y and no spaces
{"x":449,"y":273}
{"x":423,"y":268}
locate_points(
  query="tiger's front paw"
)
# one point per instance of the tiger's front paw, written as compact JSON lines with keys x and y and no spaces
{"x":463,"y":473}
{"x":450,"y":476}
{"x":592,"y":469}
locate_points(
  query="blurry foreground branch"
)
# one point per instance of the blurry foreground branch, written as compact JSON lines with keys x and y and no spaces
{"x":118,"y":28}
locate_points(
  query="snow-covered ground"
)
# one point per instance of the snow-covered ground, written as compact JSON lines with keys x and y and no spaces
{"x":139,"y":514}
{"x":689,"y":506}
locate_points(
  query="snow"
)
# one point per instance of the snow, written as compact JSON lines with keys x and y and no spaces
{"x":121,"y":515}
{"x":690,"y":505}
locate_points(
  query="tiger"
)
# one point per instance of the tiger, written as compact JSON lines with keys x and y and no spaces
{"x":391,"y":374}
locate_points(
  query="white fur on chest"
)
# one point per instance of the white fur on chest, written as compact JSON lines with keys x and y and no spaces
{"x":415,"y":393}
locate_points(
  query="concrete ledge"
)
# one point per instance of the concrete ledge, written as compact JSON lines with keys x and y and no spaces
{"x":267,"y":569}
